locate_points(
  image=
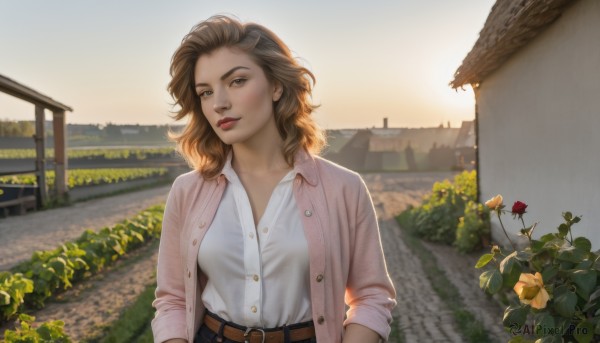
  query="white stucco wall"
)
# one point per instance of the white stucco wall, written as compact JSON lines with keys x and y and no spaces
{"x":539,"y":126}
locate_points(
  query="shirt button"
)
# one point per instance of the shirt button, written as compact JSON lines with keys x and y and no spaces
{"x":201,"y":225}
{"x":255,"y":277}
{"x":321,"y":320}
{"x":195,"y":242}
{"x":265,"y":229}
{"x":307,"y":213}
{"x":251,"y":235}
{"x":253,"y":309}
{"x":189,"y":273}
{"x":319,"y":278}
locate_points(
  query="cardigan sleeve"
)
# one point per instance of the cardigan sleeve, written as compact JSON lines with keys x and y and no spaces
{"x":170,"y":318}
{"x":370,"y":293}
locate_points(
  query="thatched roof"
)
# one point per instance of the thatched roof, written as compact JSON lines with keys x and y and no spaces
{"x":510,"y":25}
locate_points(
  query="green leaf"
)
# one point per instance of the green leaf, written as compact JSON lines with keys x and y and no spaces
{"x":549,"y":273}
{"x":484,"y":260}
{"x":567,"y":215}
{"x":595,"y":295}
{"x":563,"y":230}
{"x":515,"y":316}
{"x":585,"y":281}
{"x":26,"y":318}
{"x":536,"y":246}
{"x":491,"y":281}
{"x":511,"y":270}
{"x":544,"y":324}
{"x":585,"y":264}
{"x":547,"y":237}
{"x":584,"y":332}
{"x":565,"y":304}
{"x":583,"y":244}
{"x":44,"y":333}
{"x":4,"y":298}
{"x":570,"y":254}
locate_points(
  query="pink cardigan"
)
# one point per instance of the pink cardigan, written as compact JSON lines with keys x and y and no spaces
{"x":347,"y":265}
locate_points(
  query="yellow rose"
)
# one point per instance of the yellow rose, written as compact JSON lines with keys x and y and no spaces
{"x":494,"y":202}
{"x":531,"y":291}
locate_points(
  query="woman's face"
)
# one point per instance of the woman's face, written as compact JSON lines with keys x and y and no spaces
{"x":235,"y":95}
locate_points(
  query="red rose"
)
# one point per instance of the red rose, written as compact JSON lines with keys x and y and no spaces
{"x":519,"y":208}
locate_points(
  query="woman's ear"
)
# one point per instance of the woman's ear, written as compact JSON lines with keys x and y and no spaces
{"x":277,"y":91}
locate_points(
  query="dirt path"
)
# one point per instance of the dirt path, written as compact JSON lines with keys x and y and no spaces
{"x":421,"y":315}
{"x":20,"y":236}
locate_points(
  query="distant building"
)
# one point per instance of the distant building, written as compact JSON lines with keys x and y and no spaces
{"x":399,"y":148}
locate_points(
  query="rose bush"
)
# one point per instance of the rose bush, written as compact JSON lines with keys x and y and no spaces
{"x":554,"y":282}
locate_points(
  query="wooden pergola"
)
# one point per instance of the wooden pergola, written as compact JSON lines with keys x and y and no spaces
{"x":58,"y":110}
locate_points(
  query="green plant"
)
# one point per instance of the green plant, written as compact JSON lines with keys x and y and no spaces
{"x":473,"y":228}
{"x":48,"y":332}
{"x":556,"y":279}
{"x":47,"y":272}
{"x":89,"y":177}
{"x":13,"y":288}
{"x":437,"y":218}
{"x":466,"y":183}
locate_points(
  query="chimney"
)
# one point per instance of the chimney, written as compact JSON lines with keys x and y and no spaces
{"x":385,"y":123}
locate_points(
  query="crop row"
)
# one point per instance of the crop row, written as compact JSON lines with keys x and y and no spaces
{"x":107,"y":153}
{"x":88,"y":177}
{"x":32,"y":282}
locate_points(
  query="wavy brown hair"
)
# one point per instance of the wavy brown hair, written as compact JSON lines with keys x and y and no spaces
{"x":198,"y":143}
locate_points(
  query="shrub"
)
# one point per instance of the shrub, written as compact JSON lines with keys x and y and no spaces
{"x":473,"y":229}
{"x":48,"y":332}
{"x":439,"y":216}
{"x":556,"y":279}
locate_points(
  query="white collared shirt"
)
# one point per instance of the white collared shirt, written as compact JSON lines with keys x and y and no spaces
{"x":257,"y":276}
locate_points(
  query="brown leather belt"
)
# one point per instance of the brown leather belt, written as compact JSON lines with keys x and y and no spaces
{"x":258,"y":335}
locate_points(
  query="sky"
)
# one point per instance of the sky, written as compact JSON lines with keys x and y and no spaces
{"x":109,"y":60}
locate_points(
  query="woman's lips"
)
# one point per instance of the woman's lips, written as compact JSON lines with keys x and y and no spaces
{"x":227,"y":123}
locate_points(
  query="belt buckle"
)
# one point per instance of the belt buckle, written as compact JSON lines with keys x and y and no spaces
{"x":247,"y":332}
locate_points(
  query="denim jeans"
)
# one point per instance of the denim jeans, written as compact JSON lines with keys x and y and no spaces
{"x":206,"y":335}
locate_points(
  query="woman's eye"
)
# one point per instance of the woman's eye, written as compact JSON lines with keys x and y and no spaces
{"x":205,"y":94}
{"x":238,"y":82}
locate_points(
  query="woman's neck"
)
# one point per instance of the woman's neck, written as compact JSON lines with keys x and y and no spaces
{"x":265,"y":159}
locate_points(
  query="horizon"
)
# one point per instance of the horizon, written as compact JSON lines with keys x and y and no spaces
{"x":371,"y":61}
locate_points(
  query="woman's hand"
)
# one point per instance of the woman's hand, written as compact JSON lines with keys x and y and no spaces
{"x":356,"y":333}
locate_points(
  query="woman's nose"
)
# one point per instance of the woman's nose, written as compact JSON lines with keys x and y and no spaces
{"x":222,"y":102}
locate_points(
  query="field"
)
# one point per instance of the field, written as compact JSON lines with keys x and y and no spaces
{"x":104,"y":153}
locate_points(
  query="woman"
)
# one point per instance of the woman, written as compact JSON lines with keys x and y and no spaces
{"x":264,"y":241}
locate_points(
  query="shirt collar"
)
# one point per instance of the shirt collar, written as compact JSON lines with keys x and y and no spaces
{"x":304,"y":164}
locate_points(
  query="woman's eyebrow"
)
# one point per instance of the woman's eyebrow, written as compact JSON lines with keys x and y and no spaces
{"x":224,"y":76}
